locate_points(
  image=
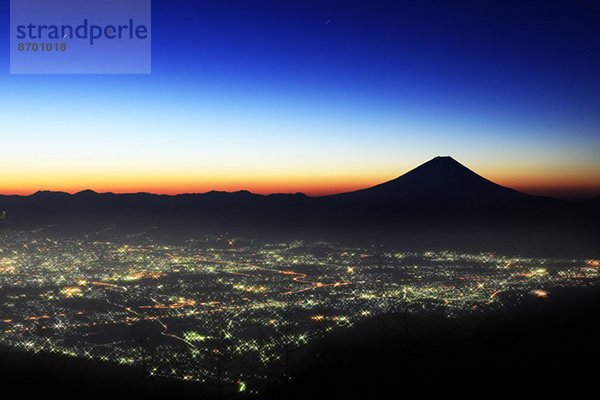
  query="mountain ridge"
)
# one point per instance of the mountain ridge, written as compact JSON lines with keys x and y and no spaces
{"x":440,"y":202}
{"x":439,"y":165}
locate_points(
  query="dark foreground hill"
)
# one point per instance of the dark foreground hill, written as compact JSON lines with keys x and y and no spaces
{"x":541,"y":348}
{"x":438,"y":204}
{"x":544,"y":347}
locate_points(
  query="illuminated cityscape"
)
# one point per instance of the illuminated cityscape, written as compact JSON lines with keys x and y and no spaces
{"x":231,"y":310}
{"x":299,"y":200}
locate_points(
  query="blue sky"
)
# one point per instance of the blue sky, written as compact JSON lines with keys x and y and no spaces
{"x":319,"y":97}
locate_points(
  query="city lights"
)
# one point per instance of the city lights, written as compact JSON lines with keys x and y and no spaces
{"x":212,"y":301}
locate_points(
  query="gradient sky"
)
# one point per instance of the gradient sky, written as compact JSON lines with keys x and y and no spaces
{"x":319,"y":97}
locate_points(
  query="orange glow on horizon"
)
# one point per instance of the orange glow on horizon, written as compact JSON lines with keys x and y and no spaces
{"x":314,"y":190}
{"x":550,"y":181}
{"x":318,"y":188}
{"x":308,"y":186}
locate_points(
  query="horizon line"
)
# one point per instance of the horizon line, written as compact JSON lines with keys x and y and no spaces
{"x":537,"y":193}
{"x":564,"y":191}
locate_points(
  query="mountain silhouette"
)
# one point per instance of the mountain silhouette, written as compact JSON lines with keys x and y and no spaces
{"x":441,"y":182}
{"x":440,"y":202}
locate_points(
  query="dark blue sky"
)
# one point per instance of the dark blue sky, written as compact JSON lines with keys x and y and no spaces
{"x":542,"y":57}
{"x":336,"y":89}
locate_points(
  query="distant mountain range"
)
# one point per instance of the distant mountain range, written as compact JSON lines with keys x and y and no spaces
{"x":440,"y":199}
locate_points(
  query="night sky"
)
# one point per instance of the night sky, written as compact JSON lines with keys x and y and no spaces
{"x":319,"y":97}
